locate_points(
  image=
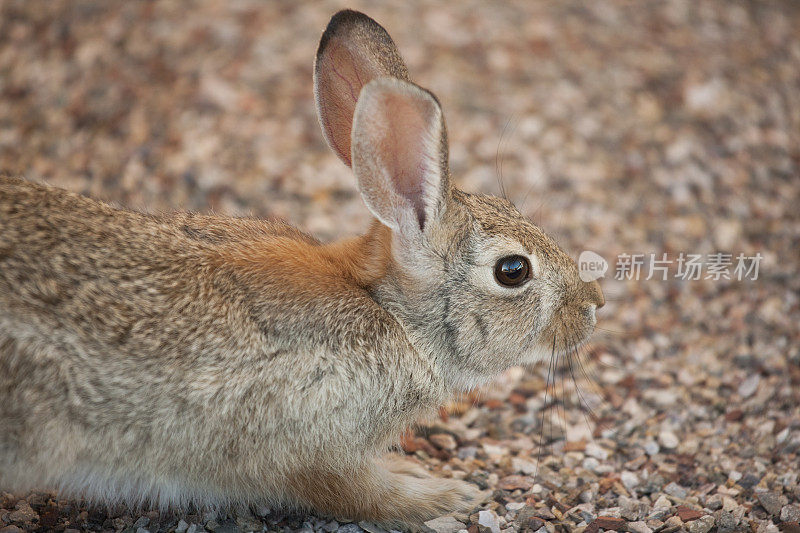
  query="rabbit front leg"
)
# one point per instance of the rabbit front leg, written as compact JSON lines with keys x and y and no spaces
{"x":391,"y":491}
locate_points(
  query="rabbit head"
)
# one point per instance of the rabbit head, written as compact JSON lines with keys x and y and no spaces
{"x":473,"y":282}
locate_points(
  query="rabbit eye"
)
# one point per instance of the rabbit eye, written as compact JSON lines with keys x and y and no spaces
{"x":512,"y":271}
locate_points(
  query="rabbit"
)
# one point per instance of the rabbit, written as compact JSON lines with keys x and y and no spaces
{"x":186,"y":360}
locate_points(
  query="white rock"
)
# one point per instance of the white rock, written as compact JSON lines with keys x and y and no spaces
{"x":489,"y":520}
{"x":702,"y":524}
{"x":662,"y":503}
{"x":585,"y":511}
{"x":595,"y":450}
{"x":641,"y":350}
{"x":668,"y":439}
{"x":523,"y":466}
{"x":605,"y":469}
{"x":445,"y":524}
{"x":572,"y":459}
{"x":749,"y":386}
{"x":661,"y":397}
{"x":638,"y":527}
{"x":616,"y":512}
{"x":522,"y":444}
{"x":675,"y":490}
{"x":705,"y":98}
{"x":651,"y":447}
{"x":629,"y":479}
{"x":790,"y":513}
{"x":577,"y":432}
{"x":767,"y":527}
{"x":729,"y":504}
{"x":492,"y":449}
{"x":591,"y":464}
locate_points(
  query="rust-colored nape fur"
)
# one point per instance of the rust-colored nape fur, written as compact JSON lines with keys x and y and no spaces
{"x":212,"y":361}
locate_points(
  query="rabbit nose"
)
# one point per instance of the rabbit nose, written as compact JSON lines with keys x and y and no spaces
{"x":594,"y":294}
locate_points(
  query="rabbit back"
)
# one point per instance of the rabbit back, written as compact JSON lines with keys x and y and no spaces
{"x":187,"y":359}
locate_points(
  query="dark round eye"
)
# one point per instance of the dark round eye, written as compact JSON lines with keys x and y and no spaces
{"x":512,"y":271}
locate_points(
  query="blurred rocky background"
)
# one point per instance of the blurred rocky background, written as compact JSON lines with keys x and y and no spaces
{"x":619,"y":127}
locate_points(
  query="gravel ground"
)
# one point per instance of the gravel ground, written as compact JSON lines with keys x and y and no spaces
{"x":619,"y":127}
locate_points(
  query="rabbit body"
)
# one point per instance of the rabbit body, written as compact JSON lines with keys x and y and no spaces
{"x":190,"y":359}
{"x":203,"y":360}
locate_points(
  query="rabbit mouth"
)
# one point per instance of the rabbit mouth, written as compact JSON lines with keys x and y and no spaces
{"x":562,"y":341}
{"x":566,"y":336}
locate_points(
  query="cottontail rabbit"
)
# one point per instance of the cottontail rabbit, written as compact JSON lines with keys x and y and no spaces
{"x":204,"y":360}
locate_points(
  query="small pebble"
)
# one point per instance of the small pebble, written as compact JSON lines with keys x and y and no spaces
{"x":23,"y":512}
{"x":467,"y":452}
{"x":673,"y":523}
{"x":591,"y":464}
{"x":662,"y":503}
{"x":631,"y":509}
{"x":445,"y":524}
{"x":771,"y":502}
{"x":595,"y":450}
{"x":668,"y":440}
{"x":714,"y":502}
{"x":488,"y":522}
{"x":701,"y":525}
{"x":651,"y":447}
{"x":675,"y":490}
{"x":749,"y":386}
{"x":639,"y":527}
{"x":790,"y":513}
{"x":629,"y":480}
{"x":726,"y":522}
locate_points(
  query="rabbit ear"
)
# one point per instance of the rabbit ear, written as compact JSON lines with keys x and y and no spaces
{"x":400,"y":155}
{"x":353,"y":51}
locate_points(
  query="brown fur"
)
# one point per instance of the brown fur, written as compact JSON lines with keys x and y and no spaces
{"x":208,"y":360}
{"x":87,"y":340}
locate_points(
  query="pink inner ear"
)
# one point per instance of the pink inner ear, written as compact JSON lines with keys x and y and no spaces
{"x":341,"y":76}
{"x":403,"y":148}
